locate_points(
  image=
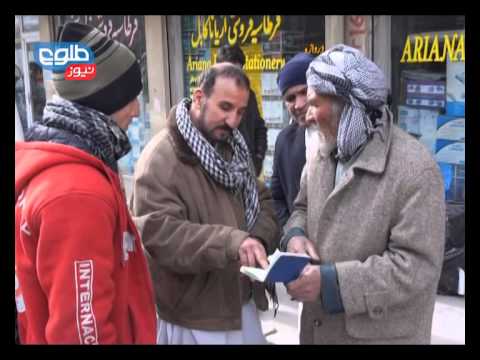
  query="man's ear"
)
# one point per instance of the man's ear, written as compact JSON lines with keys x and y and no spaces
{"x":197,"y":97}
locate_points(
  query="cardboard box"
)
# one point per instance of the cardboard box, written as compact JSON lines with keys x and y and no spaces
{"x":426,"y":102}
{"x":425,"y":93}
{"x":451,"y":128}
{"x":426,"y":88}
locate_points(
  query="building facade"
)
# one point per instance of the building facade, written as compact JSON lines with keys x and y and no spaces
{"x":423,"y":58}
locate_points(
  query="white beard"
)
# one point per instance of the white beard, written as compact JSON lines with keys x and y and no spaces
{"x":317,"y":143}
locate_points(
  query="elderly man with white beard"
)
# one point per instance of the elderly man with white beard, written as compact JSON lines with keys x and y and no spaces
{"x":370,"y":207}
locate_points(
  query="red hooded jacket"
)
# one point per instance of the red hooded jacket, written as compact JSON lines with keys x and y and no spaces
{"x":80,"y":271}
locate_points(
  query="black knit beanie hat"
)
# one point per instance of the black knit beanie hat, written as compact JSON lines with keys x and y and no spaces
{"x":118,"y":80}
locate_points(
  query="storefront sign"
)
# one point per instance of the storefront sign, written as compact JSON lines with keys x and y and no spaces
{"x":197,"y":65}
{"x":261,"y":63}
{"x":126,"y":29}
{"x":314,"y":49}
{"x":425,"y":50}
{"x":252,"y":63}
{"x":233,"y":29}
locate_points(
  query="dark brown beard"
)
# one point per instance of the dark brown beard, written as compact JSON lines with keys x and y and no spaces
{"x":208,"y":134}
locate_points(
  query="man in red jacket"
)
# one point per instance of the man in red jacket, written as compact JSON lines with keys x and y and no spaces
{"x":80,"y":272}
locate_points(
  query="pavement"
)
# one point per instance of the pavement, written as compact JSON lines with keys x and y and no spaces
{"x":448,"y":325}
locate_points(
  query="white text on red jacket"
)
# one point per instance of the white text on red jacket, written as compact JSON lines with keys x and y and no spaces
{"x":86,"y":325}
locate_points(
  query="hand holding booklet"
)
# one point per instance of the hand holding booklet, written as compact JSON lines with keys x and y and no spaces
{"x":283,"y":267}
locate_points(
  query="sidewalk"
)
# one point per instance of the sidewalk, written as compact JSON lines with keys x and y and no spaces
{"x":448,"y":320}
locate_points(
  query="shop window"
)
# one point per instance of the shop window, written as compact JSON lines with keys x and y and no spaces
{"x":20,"y":99}
{"x":428,"y":90}
{"x":129,"y":30}
{"x":268,"y":43}
{"x":30,"y":97}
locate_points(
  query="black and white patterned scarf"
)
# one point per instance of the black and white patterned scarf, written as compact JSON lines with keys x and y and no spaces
{"x":92,"y":130}
{"x":346,"y":72}
{"x":235,"y":175}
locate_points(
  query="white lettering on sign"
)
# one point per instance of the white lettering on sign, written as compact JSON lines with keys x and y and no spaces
{"x":63,"y":55}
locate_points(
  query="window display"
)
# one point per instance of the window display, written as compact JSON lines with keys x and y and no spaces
{"x":30,"y":94}
{"x":428,"y":90}
{"x":268,"y":42}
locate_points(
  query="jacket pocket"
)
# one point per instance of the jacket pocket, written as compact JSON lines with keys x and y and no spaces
{"x":377,"y":305}
{"x":380,"y":322}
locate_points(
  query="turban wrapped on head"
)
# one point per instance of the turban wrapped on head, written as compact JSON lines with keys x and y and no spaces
{"x":345,"y":72}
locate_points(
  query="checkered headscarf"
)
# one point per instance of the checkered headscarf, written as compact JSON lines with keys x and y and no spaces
{"x":346,"y":72}
{"x":237,"y":174}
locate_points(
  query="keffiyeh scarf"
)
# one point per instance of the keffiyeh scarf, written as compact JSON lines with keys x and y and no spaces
{"x":236,"y":174}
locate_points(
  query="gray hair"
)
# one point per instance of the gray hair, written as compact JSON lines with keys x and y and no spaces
{"x":338,"y":104}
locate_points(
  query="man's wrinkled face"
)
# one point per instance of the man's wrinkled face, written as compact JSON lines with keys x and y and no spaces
{"x":321,"y":112}
{"x":296,"y":101}
{"x":222,"y":111}
{"x":323,"y":118}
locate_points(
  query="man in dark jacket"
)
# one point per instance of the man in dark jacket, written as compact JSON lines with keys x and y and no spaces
{"x":252,"y":126}
{"x":289,"y":157}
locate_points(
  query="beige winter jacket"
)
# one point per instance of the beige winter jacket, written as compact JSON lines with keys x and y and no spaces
{"x":192,"y":228}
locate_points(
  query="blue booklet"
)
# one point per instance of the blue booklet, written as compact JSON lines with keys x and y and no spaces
{"x":283,"y":267}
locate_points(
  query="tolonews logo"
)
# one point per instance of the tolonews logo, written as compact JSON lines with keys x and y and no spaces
{"x":75,"y":59}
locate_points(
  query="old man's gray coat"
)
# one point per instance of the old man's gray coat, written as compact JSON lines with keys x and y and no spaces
{"x":383,"y":228}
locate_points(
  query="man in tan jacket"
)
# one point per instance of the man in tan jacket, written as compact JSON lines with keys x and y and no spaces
{"x":370,"y":207}
{"x":202,"y":214}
